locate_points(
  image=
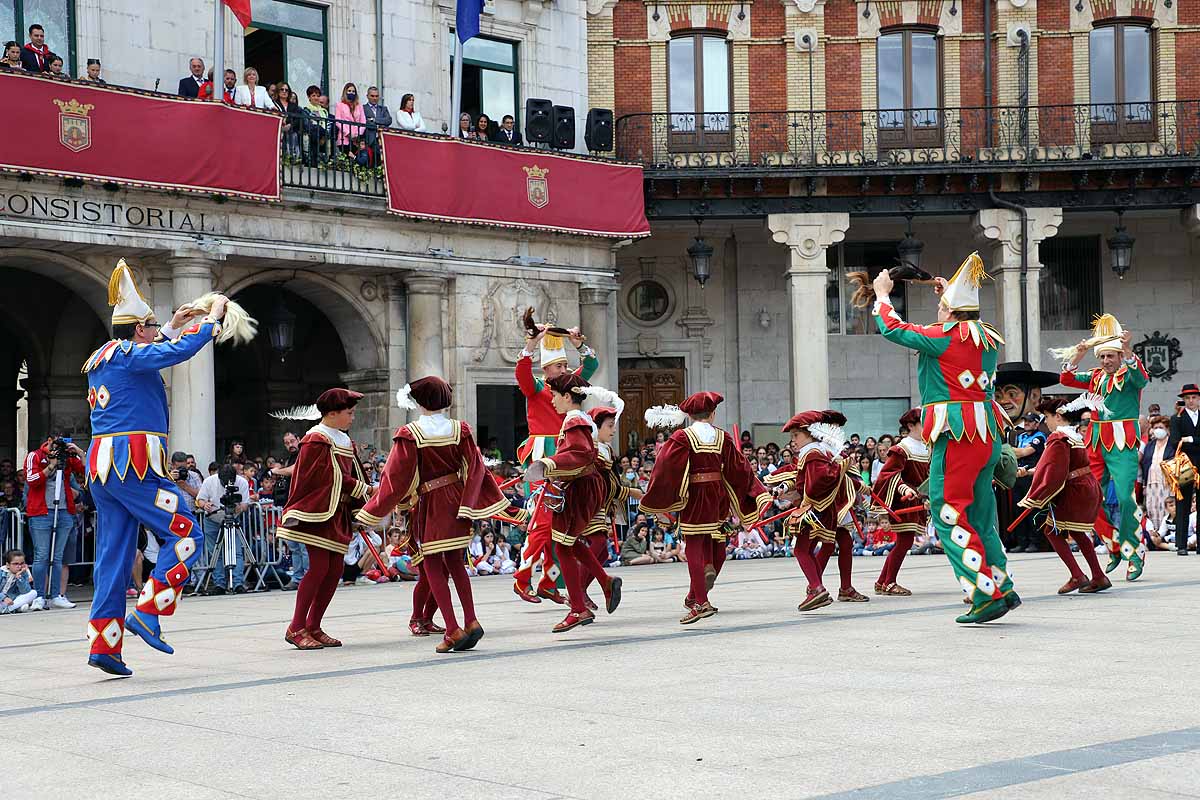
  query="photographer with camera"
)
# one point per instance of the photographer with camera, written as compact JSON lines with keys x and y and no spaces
{"x":222,"y":494}
{"x":50,"y":514}
{"x":186,"y":478}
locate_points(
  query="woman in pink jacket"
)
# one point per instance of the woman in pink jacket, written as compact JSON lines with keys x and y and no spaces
{"x":350,"y":112}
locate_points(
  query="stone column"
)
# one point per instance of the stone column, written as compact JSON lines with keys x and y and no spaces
{"x":397,"y":345}
{"x":809,"y":237}
{"x":425,"y":350}
{"x":1000,"y":228}
{"x":598,"y":321}
{"x":193,"y":394}
{"x":371,"y":419}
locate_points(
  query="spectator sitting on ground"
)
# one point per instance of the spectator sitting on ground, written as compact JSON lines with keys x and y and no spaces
{"x":191,"y":85}
{"x":351,"y":119}
{"x":358,"y":560}
{"x":250,"y":94}
{"x":750,"y":544}
{"x":93,"y":72}
{"x":660,"y":551}
{"x":635,"y":550}
{"x":408,"y":118}
{"x":36,"y":55}
{"x":16,"y":585}
{"x":507,"y":132}
{"x":486,"y":556}
{"x":12,"y":56}
{"x":56,"y":68}
{"x":781,"y":546}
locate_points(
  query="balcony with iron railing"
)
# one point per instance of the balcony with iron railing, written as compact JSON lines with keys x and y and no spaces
{"x":836,"y":142}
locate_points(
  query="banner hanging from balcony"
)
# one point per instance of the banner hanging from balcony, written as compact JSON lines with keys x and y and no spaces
{"x":453,"y":181}
{"x":72,"y":130}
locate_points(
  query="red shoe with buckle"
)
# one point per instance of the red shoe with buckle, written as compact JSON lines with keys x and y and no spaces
{"x":431,"y":626}
{"x":528,"y":597}
{"x":450,"y":641}
{"x":697,"y":612}
{"x":852,"y":595}
{"x":574,"y":620}
{"x":417,"y":628}
{"x":324,"y":638}
{"x":816,"y":598}
{"x":301,"y":640}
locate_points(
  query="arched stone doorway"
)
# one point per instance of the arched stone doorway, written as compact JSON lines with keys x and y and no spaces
{"x":50,"y":327}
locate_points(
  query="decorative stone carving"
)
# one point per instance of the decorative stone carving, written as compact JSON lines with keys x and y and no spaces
{"x":503,"y":306}
{"x":369,"y":291}
{"x":648,"y":344}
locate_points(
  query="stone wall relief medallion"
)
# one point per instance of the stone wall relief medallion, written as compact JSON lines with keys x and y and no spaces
{"x":1159,"y":352}
{"x":503,"y":306}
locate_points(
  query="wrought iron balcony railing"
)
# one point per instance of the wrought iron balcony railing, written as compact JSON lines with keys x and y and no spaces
{"x":856,"y":140}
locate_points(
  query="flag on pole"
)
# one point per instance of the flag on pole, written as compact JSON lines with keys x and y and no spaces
{"x":241,"y":10}
{"x":466,"y":18}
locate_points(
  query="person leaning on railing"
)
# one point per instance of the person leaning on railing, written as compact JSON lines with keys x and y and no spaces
{"x":351,"y":120}
{"x":12,"y":57}
{"x":316,"y":125}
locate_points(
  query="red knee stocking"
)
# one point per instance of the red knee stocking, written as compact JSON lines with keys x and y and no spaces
{"x":572,"y":576}
{"x":598,"y":546}
{"x":310,"y":584}
{"x":1059,"y":543}
{"x":439,"y":587}
{"x":698,"y":549}
{"x":324,"y":593}
{"x":891,"y":566}
{"x":421,"y":598}
{"x":457,"y":566}
{"x":1089,"y":553}
{"x":845,"y":558}
{"x":716,"y":547}
{"x":808,"y":564}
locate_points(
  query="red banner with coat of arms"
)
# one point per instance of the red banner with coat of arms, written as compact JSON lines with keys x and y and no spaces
{"x":73,"y":129}
{"x":449,"y":180}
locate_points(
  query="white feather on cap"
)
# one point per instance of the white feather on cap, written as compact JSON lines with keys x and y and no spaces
{"x":665,"y":417}
{"x":597,"y":396}
{"x":404,"y":398}
{"x":1088,"y":400}
{"x":297,"y":412}
{"x":832,"y":436}
{"x":491,"y":463}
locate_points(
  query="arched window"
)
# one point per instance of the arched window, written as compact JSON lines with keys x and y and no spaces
{"x":1121,"y":78}
{"x":698,"y":75}
{"x":908,"y":72}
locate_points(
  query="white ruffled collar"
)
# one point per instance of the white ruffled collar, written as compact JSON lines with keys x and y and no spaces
{"x":813,"y":445}
{"x":434,"y":424}
{"x":339,"y":438}
{"x":915,"y":446}
{"x":605,"y":451}
{"x":704,"y":431}
{"x":1071,"y":433}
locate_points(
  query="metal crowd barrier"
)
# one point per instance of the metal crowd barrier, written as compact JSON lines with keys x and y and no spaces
{"x":12,"y":529}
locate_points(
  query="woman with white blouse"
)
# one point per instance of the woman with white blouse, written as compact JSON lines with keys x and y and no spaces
{"x":250,"y":93}
{"x":408,"y":118}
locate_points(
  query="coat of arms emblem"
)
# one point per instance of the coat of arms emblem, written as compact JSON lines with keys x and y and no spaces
{"x":1159,"y":353}
{"x":74,"y":127}
{"x":537,"y":188}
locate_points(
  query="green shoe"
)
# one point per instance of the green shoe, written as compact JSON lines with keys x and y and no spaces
{"x":1114,"y":561}
{"x":1012,"y":600}
{"x":1136,"y":565}
{"x":991,"y":610}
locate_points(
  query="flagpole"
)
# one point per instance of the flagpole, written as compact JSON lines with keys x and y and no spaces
{"x":456,"y":91}
{"x":219,"y":55}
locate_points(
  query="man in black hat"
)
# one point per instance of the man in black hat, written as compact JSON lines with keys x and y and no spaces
{"x":1018,"y":391}
{"x":1029,"y":444}
{"x":1185,"y":436}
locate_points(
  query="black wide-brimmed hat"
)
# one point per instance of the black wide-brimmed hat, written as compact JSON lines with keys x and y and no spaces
{"x":1189,"y":388}
{"x":1022,"y":374}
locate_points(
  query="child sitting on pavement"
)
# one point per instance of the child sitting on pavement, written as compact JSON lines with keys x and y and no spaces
{"x":16,"y":585}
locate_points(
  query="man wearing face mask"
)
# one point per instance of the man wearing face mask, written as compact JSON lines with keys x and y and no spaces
{"x":1185,"y":436}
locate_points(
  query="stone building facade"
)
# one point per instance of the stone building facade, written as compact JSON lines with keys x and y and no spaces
{"x":367,"y":299}
{"x":801,"y":139}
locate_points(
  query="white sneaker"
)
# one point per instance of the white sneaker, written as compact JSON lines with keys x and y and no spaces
{"x":61,"y":602}
{"x":39,"y":604}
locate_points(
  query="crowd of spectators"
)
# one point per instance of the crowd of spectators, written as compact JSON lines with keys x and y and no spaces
{"x":315,"y":133}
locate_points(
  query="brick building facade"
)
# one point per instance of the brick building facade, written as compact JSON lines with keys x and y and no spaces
{"x":802,"y":138}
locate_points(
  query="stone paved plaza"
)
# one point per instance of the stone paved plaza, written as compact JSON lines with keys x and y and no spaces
{"x":1069,"y":697}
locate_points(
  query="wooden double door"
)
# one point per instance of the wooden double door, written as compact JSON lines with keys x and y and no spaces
{"x":643,"y":383}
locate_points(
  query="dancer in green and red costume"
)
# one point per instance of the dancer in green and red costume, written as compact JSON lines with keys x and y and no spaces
{"x":1115,"y":436}
{"x":956,"y":368}
{"x":544,"y":426}
{"x":702,"y":475}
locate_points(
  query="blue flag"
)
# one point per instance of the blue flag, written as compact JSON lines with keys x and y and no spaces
{"x":466,"y":19}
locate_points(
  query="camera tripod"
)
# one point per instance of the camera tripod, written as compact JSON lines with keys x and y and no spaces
{"x":227,"y":541}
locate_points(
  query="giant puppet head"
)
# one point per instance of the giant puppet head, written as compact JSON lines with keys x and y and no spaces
{"x":1019,"y":387}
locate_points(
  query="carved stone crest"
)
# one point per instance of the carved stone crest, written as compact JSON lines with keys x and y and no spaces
{"x":503,"y":306}
{"x":1159,"y":352}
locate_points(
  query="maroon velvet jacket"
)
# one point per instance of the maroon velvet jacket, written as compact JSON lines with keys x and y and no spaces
{"x":574,"y":467}
{"x":906,"y":466}
{"x":443,"y":480}
{"x":327,"y":486}
{"x":824,"y":489}
{"x":1074,"y":501}
{"x":730,"y":486}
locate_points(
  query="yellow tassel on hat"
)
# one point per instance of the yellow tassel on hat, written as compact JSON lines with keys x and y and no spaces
{"x":1105,"y":325}
{"x":114,"y":283}
{"x":552,"y":342}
